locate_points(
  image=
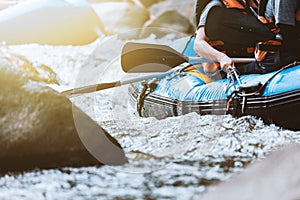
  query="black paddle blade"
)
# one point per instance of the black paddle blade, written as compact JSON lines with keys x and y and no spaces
{"x":141,"y":57}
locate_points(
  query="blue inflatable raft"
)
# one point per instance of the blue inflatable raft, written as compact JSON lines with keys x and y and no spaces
{"x":273,"y":97}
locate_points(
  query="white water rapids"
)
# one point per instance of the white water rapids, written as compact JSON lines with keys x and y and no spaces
{"x":173,"y":158}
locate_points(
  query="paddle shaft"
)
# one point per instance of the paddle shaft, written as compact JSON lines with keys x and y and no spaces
{"x":236,"y":60}
{"x":103,"y":86}
{"x":143,"y":58}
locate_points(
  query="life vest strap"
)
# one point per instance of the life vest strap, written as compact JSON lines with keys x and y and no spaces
{"x":270,"y":45}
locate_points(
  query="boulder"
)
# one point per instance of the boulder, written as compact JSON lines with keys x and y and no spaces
{"x":41,"y":128}
{"x":149,"y":3}
{"x":168,"y":22}
{"x":170,"y":17}
{"x":145,"y":3}
{"x":123,"y":18}
{"x":59,"y":22}
{"x":185,"y":8}
{"x":276,"y":177}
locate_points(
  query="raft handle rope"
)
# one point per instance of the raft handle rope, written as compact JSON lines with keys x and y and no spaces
{"x":232,"y":76}
{"x":243,"y":94}
{"x":150,"y":85}
{"x":148,"y":88}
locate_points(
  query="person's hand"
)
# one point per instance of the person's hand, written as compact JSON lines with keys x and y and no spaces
{"x":226,"y":63}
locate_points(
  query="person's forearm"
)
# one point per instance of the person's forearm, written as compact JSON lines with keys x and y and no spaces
{"x":203,"y":49}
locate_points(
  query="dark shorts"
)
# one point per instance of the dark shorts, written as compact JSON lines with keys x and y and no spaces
{"x":269,"y":64}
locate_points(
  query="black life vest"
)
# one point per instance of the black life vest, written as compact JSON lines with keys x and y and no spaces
{"x":235,"y":29}
{"x":241,"y":4}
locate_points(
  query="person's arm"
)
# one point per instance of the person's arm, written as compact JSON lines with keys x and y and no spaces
{"x":203,"y":49}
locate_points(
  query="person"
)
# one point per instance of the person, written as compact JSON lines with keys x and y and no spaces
{"x":276,"y":51}
{"x":286,"y":15}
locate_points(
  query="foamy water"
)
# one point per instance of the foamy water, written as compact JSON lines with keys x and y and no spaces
{"x":173,"y":158}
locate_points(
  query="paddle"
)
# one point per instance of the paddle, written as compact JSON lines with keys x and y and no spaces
{"x":97,"y":140}
{"x":142,"y":57}
{"x":103,"y":86}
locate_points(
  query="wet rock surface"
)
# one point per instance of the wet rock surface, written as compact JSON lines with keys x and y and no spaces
{"x":37,"y":126}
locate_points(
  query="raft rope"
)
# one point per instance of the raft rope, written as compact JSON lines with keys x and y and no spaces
{"x":148,"y":88}
{"x":150,"y":85}
{"x":242,"y":93}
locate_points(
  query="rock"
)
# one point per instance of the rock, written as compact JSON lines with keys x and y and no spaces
{"x":168,"y":22}
{"x":145,"y":3}
{"x":148,"y":3}
{"x":41,"y":128}
{"x":276,"y":177}
{"x":185,"y":8}
{"x":50,"y":22}
{"x":170,"y":17}
{"x":123,"y":18}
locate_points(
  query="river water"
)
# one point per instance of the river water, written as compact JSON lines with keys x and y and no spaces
{"x":173,"y":158}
